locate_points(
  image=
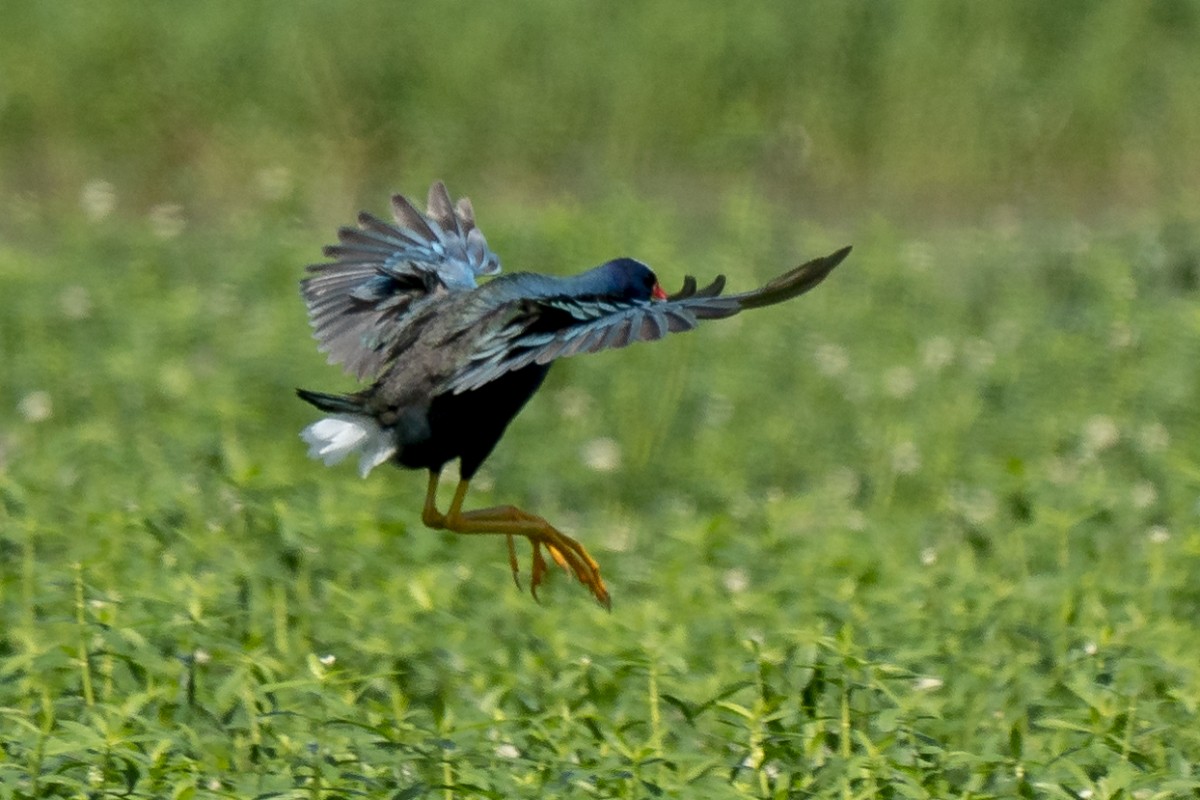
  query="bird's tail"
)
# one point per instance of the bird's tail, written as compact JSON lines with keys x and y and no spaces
{"x":348,"y":429}
{"x":333,"y":403}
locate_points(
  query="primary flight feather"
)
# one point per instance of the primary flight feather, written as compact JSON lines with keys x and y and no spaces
{"x":452,"y":360}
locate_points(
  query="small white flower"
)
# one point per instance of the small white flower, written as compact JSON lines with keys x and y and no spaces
{"x":167,"y":220}
{"x":1090,"y":648}
{"x":1099,"y":433}
{"x":717,"y":411}
{"x":507,"y":750}
{"x":1158,"y":534}
{"x":1121,"y":336}
{"x":906,"y":458}
{"x":937,"y":353}
{"x":620,"y":537}
{"x":844,"y":483}
{"x":917,"y":255}
{"x":274,"y":183}
{"x":36,"y":406}
{"x":832,"y":360}
{"x":929,"y":556}
{"x":75,"y":302}
{"x":602,"y":454}
{"x":98,"y":199}
{"x":1143,"y":495}
{"x":735,"y":580}
{"x":574,"y":403}
{"x":928,"y":683}
{"x":328,"y":660}
{"x":483,"y":481}
{"x":977,"y":506}
{"x":899,"y":382}
{"x":201,"y":656}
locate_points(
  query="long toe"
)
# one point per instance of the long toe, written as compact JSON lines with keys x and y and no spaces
{"x":513,"y":564}
{"x":570,"y":554}
{"x":538,"y":570}
{"x":558,"y":557}
{"x":510,"y":521}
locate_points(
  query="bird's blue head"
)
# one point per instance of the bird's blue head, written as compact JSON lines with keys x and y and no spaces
{"x":626,"y":278}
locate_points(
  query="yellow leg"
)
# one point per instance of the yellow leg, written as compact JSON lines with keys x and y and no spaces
{"x":430,"y":515}
{"x":510,"y":521}
{"x":437,"y":520}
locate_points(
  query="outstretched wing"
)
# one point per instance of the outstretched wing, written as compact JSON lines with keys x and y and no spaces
{"x":550,"y":327}
{"x":360,"y":305}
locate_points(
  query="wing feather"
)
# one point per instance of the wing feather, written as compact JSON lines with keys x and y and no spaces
{"x":410,"y":218}
{"x":551,"y":326}
{"x":593,"y":341}
{"x":465,"y":213}
{"x":382,"y":273}
{"x":653,"y":327}
{"x":440,"y":208}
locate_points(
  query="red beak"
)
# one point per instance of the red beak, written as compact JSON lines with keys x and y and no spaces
{"x":657,"y":292}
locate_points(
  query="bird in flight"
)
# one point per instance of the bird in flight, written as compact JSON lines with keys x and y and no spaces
{"x":452,"y":359}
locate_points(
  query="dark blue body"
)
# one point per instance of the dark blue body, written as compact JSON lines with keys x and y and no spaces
{"x":468,"y":425}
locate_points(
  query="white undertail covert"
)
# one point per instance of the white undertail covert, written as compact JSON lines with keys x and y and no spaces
{"x":333,"y":438}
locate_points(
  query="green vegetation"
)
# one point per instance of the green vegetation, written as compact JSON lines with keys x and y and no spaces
{"x":931,"y":531}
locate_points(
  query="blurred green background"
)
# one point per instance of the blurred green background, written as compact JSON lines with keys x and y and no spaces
{"x":833,"y":108}
{"x":931,"y":531}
